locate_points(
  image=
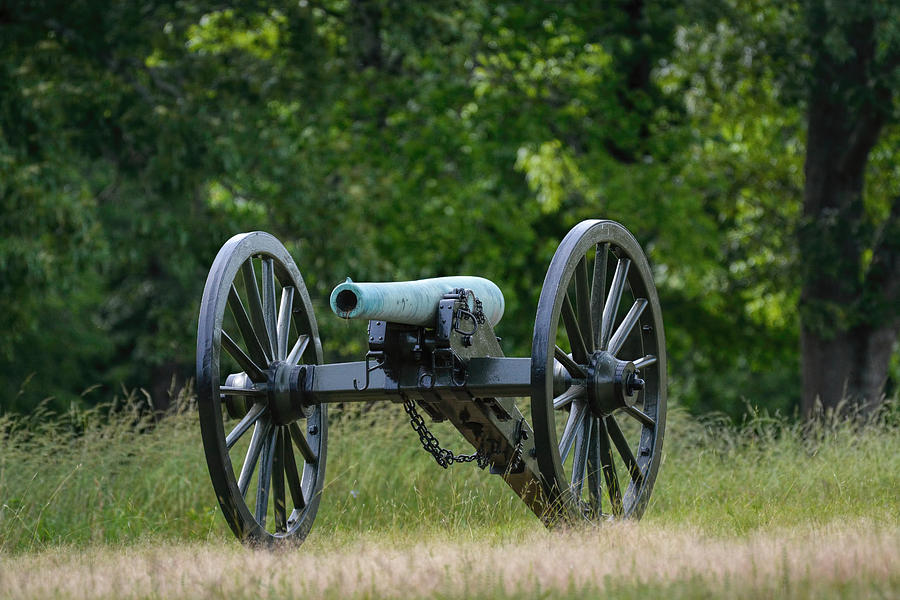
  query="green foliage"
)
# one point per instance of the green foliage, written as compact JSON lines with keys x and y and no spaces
{"x":387,"y":140}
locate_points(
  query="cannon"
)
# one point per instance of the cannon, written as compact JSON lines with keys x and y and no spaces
{"x":576,"y":429}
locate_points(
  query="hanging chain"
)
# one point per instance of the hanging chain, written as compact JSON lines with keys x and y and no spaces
{"x":445,"y":457}
{"x":442,"y":456}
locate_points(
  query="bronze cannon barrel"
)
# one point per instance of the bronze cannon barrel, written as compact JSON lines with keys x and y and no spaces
{"x":412,"y":302}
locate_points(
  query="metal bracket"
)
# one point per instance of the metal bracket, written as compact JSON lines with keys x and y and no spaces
{"x":515,"y":464}
{"x":449,"y":362}
{"x":494,"y":405}
{"x":377,"y":333}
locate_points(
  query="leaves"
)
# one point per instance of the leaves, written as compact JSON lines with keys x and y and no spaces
{"x":388,"y":140}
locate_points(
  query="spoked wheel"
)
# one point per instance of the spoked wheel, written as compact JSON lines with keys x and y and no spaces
{"x":598,"y":376}
{"x":266,"y":457}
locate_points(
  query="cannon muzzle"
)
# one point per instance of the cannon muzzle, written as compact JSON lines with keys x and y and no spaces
{"x":411,"y":302}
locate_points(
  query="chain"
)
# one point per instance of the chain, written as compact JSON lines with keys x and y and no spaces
{"x":442,"y":456}
{"x":445,"y":457}
{"x":479,"y":312}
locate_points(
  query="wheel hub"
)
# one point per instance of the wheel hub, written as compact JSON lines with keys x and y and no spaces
{"x":283,"y":393}
{"x":612,"y":383}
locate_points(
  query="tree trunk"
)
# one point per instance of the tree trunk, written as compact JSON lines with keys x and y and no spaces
{"x":365,"y":34}
{"x":849,"y":302}
{"x":846,"y":372}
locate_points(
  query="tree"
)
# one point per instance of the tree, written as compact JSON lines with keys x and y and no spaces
{"x":761,"y":78}
{"x":849,"y":238}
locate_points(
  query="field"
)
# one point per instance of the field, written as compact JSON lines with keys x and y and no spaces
{"x":99,"y":506}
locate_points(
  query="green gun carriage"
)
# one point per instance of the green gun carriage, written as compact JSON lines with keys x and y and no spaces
{"x":575,"y":429}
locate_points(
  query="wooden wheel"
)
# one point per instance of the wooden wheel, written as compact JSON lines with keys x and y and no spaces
{"x":267,"y":463}
{"x":598,"y":375}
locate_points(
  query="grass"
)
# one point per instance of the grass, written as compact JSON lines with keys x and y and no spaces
{"x":767,"y":509}
{"x":855,"y":559}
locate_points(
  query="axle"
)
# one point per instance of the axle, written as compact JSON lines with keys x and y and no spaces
{"x":296,"y":388}
{"x":367,"y":380}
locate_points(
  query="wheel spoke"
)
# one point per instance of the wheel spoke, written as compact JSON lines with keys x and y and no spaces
{"x":618,"y":438}
{"x":579,"y":350}
{"x":265,"y":476}
{"x":609,"y":470}
{"x":612,"y":301}
{"x":302,"y":444}
{"x":250,"y":368}
{"x":598,"y":290}
{"x":583,"y":304}
{"x":640,"y":416}
{"x":573,"y":425}
{"x":571,"y":366}
{"x":255,"y":304}
{"x":594,"y":468}
{"x":293,"y":476}
{"x":645,"y":362}
{"x":256,"y":443}
{"x":278,"y":483}
{"x":252,"y":416}
{"x":297,"y":351}
{"x":579,"y":461}
{"x":254,"y":347}
{"x":628,"y":323}
{"x":268,"y":301}
{"x":563,"y":400}
{"x":284,"y":320}
{"x":253,"y":392}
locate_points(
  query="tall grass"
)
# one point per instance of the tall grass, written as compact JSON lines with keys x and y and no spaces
{"x":113,"y":476}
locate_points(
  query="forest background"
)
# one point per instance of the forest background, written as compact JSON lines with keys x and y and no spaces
{"x":751,"y":147}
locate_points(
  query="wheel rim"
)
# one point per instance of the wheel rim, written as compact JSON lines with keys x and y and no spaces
{"x":598,"y":437}
{"x":243,"y":354}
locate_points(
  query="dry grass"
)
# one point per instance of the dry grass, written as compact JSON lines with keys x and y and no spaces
{"x":859,"y":559}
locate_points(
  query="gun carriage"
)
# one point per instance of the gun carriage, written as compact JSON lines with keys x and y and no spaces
{"x":584,"y":446}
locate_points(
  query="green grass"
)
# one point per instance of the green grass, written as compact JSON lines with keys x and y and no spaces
{"x":89,"y":478}
{"x":113,"y":506}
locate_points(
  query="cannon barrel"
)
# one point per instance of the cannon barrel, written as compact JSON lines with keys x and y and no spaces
{"x":411,"y":302}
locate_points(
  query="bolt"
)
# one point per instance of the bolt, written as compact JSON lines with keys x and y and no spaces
{"x":313,"y":430}
{"x":634,"y":384}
